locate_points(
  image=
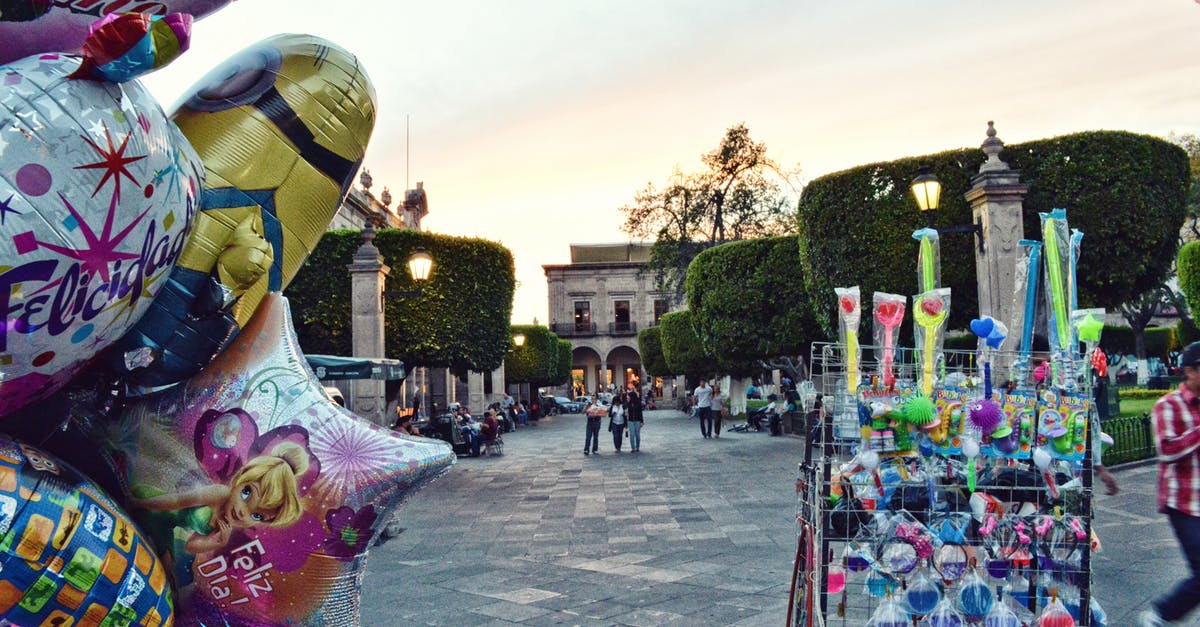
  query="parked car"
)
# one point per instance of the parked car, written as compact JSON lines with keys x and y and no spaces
{"x":568,"y":406}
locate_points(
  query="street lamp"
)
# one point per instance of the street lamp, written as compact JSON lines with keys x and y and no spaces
{"x":420,"y":263}
{"x":519,"y":339}
{"x":928,"y":191}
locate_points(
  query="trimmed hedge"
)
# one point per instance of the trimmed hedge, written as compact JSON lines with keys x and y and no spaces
{"x":1120,"y":340}
{"x":1125,"y":191}
{"x":681,"y":345}
{"x":1188,"y":266}
{"x":1142,"y":393}
{"x":536,"y":361}
{"x":650,"y":348}
{"x":749,"y":303}
{"x":566,"y":359}
{"x":461,"y":321}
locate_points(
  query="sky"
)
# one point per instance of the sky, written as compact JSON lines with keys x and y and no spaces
{"x":532,"y":122}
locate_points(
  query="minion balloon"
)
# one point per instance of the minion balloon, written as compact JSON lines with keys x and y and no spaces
{"x":281,"y":128}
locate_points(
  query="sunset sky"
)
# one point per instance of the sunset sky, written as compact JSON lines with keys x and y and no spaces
{"x":533,"y":121}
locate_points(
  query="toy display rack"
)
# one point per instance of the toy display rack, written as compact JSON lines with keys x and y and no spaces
{"x":1054,"y":563}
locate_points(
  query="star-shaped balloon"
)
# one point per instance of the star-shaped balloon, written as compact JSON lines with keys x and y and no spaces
{"x":1089,"y":328}
{"x":263,"y":493}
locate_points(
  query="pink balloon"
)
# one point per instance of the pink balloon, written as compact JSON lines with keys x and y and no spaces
{"x":263,"y":493}
{"x":65,"y":26}
{"x":97,"y":192}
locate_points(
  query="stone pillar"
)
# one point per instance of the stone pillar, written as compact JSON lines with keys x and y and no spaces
{"x":367,"y":274}
{"x":996,"y":198}
{"x":477,"y":401}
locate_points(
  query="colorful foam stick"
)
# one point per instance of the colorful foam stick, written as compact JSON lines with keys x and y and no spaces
{"x":889,"y":313}
{"x":849,"y":315}
{"x":970,"y":449}
{"x":869,"y":460}
{"x":928,"y":259}
{"x":930,"y":314}
{"x":1027,"y":267}
{"x":1054,"y":233}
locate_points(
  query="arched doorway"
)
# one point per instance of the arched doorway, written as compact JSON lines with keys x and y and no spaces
{"x":585,"y":370}
{"x":625,"y":364}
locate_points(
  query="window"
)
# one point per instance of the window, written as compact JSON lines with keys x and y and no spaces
{"x":583,"y":315}
{"x":621,"y":315}
{"x":660,"y":308}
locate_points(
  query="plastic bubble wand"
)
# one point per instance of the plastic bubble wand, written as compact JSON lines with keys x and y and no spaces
{"x":850,"y":313}
{"x":930,"y":314}
{"x":889,"y":314}
{"x":1058,"y":300}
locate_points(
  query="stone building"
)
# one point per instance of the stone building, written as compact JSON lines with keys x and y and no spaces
{"x":599,"y":302}
{"x":362,"y":207}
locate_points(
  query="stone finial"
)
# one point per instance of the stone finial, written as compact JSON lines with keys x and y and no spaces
{"x":365,"y":180}
{"x":368,"y":249}
{"x":992,"y":146}
{"x":385,"y":197}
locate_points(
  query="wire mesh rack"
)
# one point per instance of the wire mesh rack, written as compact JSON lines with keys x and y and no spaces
{"x":907,"y":518}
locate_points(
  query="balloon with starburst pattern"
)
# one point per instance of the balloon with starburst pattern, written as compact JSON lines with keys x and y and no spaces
{"x":263,"y":493}
{"x":96,"y":197}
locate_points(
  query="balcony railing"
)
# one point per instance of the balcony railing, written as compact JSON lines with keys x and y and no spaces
{"x":622,"y":328}
{"x":574,"y":329}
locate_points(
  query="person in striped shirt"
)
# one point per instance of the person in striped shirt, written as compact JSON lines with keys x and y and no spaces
{"x":1176,"y":420}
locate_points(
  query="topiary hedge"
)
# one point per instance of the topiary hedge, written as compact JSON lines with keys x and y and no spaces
{"x":461,"y":320}
{"x":1125,"y":191}
{"x":1120,"y":340}
{"x":681,"y":346}
{"x":1187,"y":264}
{"x":749,"y":303}
{"x":566,"y":359}
{"x":650,"y":348}
{"x":536,"y":361}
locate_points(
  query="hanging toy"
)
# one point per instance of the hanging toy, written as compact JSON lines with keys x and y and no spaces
{"x":869,"y":460}
{"x":975,"y":597}
{"x":849,"y":315}
{"x":890,"y":614}
{"x":1001,"y":615}
{"x":984,"y":414}
{"x":970,"y":450}
{"x":835,"y":579}
{"x":922,"y":594}
{"x":929,"y":312}
{"x":1042,"y":460}
{"x":889,"y":313}
{"x":944,"y":615}
{"x":920,"y":412}
{"x":1055,"y":614}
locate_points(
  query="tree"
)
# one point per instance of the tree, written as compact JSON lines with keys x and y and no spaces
{"x":751,"y":311}
{"x":681,"y":346}
{"x":1191,"y":145}
{"x":742,"y":194}
{"x":536,"y":362}
{"x":651,"y":350}
{"x":461,"y":320}
{"x":566,"y":355}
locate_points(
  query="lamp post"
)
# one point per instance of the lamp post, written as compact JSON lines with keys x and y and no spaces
{"x":927,"y":189}
{"x":420,"y":264}
{"x":518,"y":341}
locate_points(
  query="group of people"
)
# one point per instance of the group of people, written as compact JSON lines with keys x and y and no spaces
{"x":625,"y":416}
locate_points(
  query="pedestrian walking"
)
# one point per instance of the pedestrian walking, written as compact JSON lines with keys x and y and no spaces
{"x":1176,"y":420}
{"x":636,"y":417}
{"x":592,"y":439}
{"x":703,"y":395}
{"x":718,"y":410}
{"x":616,"y":421}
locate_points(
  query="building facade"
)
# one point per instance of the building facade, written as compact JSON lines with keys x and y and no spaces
{"x":599,"y":302}
{"x":361,"y":207}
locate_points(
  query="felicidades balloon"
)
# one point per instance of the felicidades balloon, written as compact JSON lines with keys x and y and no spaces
{"x":97,"y":193}
{"x":281,"y":127}
{"x":263,"y":493}
{"x":37,"y":26}
{"x":70,"y":555}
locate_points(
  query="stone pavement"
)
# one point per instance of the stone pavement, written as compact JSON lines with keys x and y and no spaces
{"x":687,"y":532}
